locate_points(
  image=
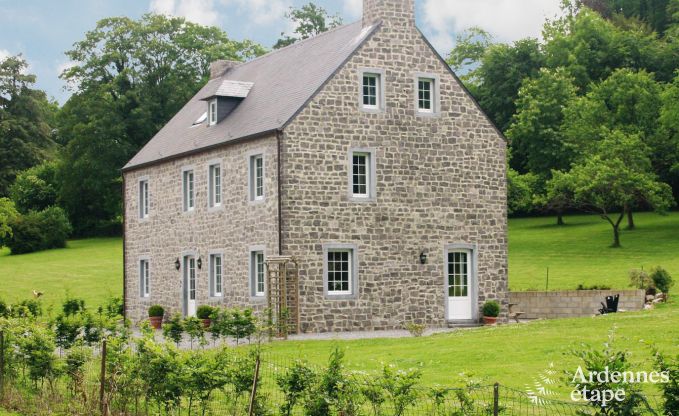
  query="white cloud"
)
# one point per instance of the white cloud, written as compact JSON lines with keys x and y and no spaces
{"x":4,"y":53}
{"x":64,"y":66}
{"x":197,"y":11}
{"x":353,"y":8}
{"x":262,"y":12}
{"x":507,"y":20}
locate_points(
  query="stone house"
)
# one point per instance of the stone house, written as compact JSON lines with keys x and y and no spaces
{"x":358,"y":153}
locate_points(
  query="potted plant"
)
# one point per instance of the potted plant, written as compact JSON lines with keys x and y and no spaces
{"x":204,"y":313}
{"x":491,"y":310}
{"x":156,"y":313}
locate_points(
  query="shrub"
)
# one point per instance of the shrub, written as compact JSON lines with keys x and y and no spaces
{"x":238,"y":324}
{"x":4,"y":309}
{"x":27,"y":308}
{"x":156,"y":311}
{"x":593,"y":287}
{"x":36,"y":188}
{"x":37,"y":231}
{"x":640,"y":279}
{"x":415,"y":330}
{"x":194,"y":329}
{"x":174,"y":328}
{"x":8,"y":215}
{"x":491,"y":309}
{"x":72,"y":306}
{"x":670,"y":390}
{"x":204,"y":312}
{"x":662,"y":279}
{"x":114,"y":307}
{"x":294,"y":384}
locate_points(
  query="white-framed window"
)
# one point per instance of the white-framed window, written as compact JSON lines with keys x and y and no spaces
{"x":215,"y":185}
{"x":257,"y":276}
{"x":257,"y":177}
{"x":216,"y":276}
{"x":371,"y":90}
{"x":144,"y":278}
{"x":339,"y":269}
{"x":188,"y":190}
{"x":425,"y":95}
{"x":144,"y":205}
{"x":362,"y":175}
{"x":212,"y":113}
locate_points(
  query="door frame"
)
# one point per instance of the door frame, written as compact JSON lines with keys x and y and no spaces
{"x":185,"y":282}
{"x":473,"y":279}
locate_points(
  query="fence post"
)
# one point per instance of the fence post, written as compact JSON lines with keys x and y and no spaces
{"x":496,"y":399}
{"x":253,"y":394}
{"x":2,"y":363}
{"x":102,"y":380}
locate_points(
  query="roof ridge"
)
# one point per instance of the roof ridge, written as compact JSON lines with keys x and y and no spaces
{"x":291,"y":46}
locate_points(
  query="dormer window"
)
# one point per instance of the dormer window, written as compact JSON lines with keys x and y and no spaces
{"x":212,"y":113}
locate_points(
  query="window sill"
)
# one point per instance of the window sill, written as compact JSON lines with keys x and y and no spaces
{"x":362,"y":200}
{"x":371,"y":110}
{"x":329,"y":296}
{"x":215,"y":298}
{"x":257,"y":201}
{"x":427,"y":114}
{"x":258,"y":299}
{"x":218,"y":208}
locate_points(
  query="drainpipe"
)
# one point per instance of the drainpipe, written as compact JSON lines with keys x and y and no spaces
{"x":124,"y":253}
{"x":279,"y":163}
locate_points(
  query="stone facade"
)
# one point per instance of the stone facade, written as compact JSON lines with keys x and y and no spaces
{"x":440,"y":181}
{"x":572,"y":303}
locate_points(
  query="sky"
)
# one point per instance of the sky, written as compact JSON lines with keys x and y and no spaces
{"x":42,"y":30}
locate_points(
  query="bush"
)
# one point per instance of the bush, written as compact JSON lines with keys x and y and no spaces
{"x":114,"y":307}
{"x":661,"y":279}
{"x":670,"y":390}
{"x":640,"y":279}
{"x":491,"y":309}
{"x":415,"y":330}
{"x":36,"y":188}
{"x":156,"y":311}
{"x":72,"y":306}
{"x":593,"y":287}
{"x":204,"y":312}
{"x":8,"y":215}
{"x":174,"y":328}
{"x":27,"y":308}
{"x":4,"y":309}
{"x":37,"y":231}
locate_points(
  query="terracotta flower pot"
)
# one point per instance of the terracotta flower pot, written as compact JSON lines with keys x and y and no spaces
{"x":206,"y":323}
{"x":490,"y":320}
{"x":156,"y":322}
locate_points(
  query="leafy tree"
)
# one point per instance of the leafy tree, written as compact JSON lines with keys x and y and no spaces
{"x":559,"y":195}
{"x":521,"y":190}
{"x":36,"y":188}
{"x":538,"y":144}
{"x":26,"y":119}
{"x":666,"y":157}
{"x":8,"y":215}
{"x":470,"y":47}
{"x":309,"y":20}
{"x":129,"y":78}
{"x":617,"y":175}
{"x":37,"y":231}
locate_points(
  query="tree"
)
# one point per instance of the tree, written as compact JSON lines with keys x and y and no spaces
{"x":666,"y":159}
{"x":26,"y":119}
{"x":558,"y":196}
{"x":616,"y":175}
{"x":309,"y":20}
{"x":130,"y":77}
{"x":520,"y":191}
{"x":36,"y":188}
{"x":538,"y":144}
{"x":8,"y":215}
{"x":470,"y":47}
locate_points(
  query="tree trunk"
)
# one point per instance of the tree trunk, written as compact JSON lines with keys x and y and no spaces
{"x":616,"y":236}
{"x":559,"y":219}
{"x":630,"y":220}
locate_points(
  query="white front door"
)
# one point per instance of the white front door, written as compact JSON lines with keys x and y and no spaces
{"x":459,"y":281}
{"x":190,"y":284}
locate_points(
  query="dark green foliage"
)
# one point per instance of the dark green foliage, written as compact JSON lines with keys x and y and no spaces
{"x":662,"y":280}
{"x":593,"y":287}
{"x":8,"y":215}
{"x":242,"y":324}
{"x":72,"y":306}
{"x":4,"y":309}
{"x":37,"y":231}
{"x":130,"y":77}
{"x":295,"y":384}
{"x":194,"y":329}
{"x":521,"y":192}
{"x":27,"y":308}
{"x":491,"y":309}
{"x":26,"y":122}
{"x":156,"y":311}
{"x":204,"y":312}
{"x":67,"y":329}
{"x":309,"y":20}
{"x":114,"y":307}
{"x":670,"y":390}
{"x":36,"y":188}
{"x":173,"y":329}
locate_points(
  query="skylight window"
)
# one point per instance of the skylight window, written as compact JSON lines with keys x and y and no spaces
{"x":201,"y":119}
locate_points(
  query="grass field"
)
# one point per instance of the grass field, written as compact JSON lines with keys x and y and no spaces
{"x":576,"y":253}
{"x":90,"y":269}
{"x":579,"y":252}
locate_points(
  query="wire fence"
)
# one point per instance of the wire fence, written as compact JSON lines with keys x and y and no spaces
{"x":113,"y":381}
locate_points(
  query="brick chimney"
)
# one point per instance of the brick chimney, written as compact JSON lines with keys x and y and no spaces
{"x":391,"y":12}
{"x":219,"y":68}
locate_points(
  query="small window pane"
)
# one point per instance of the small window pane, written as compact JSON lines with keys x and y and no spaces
{"x":360,"y":176}
{"x":144,"y":278}
{"x":215,"y":186}
{"x":258,"y":277}
{"x":257,"y":178}
{"x":143,"y":199}
{"x":339,"y":272}
{"x":425,"y":94}
{"x":216,"y":274}
{"x":188,"y":190}
{"x":370,"y":90}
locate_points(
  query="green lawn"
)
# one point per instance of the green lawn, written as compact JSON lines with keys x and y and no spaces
{"x":579,"y":252}
{"x":91,"y":269}
{"x":576,"y":253}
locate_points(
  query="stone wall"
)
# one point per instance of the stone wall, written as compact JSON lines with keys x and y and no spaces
{"x":572,"y":303}
{"x":169,"y":232}
{"x":440,"y":180}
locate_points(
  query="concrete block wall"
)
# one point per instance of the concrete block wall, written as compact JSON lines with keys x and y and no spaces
{"x":572,"y":303}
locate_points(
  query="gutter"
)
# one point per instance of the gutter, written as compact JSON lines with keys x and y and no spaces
{"x":279,"y":164}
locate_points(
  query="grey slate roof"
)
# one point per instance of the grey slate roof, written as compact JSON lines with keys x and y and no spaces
{"x":229,"y":88}
{"x":284,"y":81}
